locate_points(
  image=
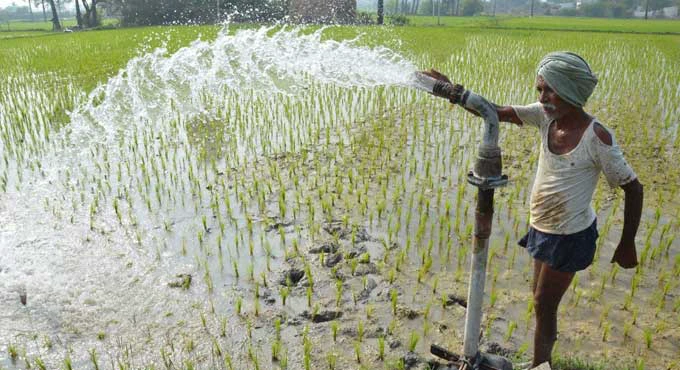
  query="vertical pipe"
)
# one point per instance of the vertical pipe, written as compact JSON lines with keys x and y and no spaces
{"x":473,"y":315}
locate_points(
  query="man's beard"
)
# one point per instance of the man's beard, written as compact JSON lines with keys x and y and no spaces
{"x":550,"y":111}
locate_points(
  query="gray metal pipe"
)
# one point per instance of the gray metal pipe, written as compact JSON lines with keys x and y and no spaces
{"x":488,"y":165}
{"x":480,"y":245}
{"x":486,"y":176}
{"x":487,"y":110}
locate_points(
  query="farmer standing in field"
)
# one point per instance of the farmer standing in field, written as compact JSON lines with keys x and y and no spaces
{"x":575,"y":148}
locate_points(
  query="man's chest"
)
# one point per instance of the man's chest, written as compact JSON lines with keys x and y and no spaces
{"x":562,"y":141}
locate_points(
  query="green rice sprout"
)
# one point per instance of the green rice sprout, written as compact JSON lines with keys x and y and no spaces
{"x":413,"y":341}
{"x":338,"y":292}
{"x":276,"y":350}
{"x":334,"y":330}
{"x":381,"y":348}
{"x":493,"y":296}
{"x":228,"y":363}
{"x":332,"y":360}
{"x":393,"y":300}
{"x":360,"y":331}
{"x":357,"y":351}
{"x":235,"y":265}
{"x":606,"y":328}
{"x":93,"y":358}
{"x":648,"y":337}
{"x":284,"y":292}
{"x":238,"y":305}
{"x":370,"y":309}
{"x":511,"y":328}
{"x":257,"y":307}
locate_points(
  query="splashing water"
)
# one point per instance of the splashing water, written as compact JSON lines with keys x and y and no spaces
{"x":154,"y":87}
{"x":90,"y":233}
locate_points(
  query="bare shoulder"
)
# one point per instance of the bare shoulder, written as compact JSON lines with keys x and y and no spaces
{"x":602,"y":133}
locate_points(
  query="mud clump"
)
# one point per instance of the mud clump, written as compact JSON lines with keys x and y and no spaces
{"x":347,"y":232}
{"x":291,"y":277}
{"x":411,"y":359}
{"x":366,"y":292}
{"x":327,"y":248}
{"x":333,"y":260}
{"x":407,"y":312}
{"x":452,"y":299}
{"x":323,"y":316}
{"x":496,"y":349}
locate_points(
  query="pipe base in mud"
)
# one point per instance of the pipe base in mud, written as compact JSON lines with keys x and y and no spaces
{"x":487,"y":361}
{"x":481,"y":361}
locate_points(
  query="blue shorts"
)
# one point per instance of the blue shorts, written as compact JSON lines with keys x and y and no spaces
{"x":566,"y":253}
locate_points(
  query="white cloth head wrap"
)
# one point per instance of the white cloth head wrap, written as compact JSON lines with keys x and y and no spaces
{"x":569,"y":76}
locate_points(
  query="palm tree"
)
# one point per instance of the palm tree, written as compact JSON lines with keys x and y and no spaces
{"x":56,"y":26}
{"x":79,"y":16}
{"x":30,"y":9}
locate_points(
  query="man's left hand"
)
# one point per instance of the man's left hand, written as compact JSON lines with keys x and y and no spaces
{"x":437,"y":75}
{"x":625,"y":255}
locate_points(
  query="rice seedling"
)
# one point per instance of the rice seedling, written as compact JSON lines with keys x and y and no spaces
{"x":360,"y":331}
{"x":648,"y":337}
{"x":413,"y":341}
{"x":12,"y":351}
{"x":334,"y":330}
{"x":276,"y":350}
{"x":235,"y":265}
{"x":606,"y":328}
{"x":40,"y":364}
{"x":238,"y":305}
{"x":68,"y":364}
{"x":393,"y":300}
{"x":252,"y":355}
{"x":94,"y":358}
{"x":228,"y":363}
{"x":357,"y":351}
{"x":332,"y":360}
{"x":493,"y":296}
{"x":338,"y":292}
{"x":512,"y":325}
{"x":626,"y":330}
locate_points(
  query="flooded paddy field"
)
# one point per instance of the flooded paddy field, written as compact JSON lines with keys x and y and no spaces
{"x":187,"y":197}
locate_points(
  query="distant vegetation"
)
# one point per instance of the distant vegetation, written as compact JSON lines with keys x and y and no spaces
{"x":90,"y":13}
{"x":554,"y":23}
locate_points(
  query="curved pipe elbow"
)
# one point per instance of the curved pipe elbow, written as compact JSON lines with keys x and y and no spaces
{"x":489,"y":114}
{"x":489,"y":163}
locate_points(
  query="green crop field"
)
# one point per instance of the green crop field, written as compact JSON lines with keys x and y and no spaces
{"x":195,"y":207}
{"x":572,"y":24}
{"x":42,"y":26}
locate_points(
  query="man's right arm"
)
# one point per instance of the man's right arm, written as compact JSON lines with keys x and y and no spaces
{"x":507,"y":114}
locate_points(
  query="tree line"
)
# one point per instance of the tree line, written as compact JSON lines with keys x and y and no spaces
{"x":586,"y":8}
{"x":158,"y":12}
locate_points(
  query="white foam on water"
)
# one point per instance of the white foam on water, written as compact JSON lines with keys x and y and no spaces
{"x":154,"y":88}
{"x":79,"y":283}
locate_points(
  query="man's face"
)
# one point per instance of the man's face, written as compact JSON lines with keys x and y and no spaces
{"x":553,"y":106}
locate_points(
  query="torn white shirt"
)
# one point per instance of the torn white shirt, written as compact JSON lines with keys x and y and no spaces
{"x":564,"y":185}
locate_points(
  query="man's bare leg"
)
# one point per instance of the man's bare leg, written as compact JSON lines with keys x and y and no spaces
{"x":549,"y":286}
